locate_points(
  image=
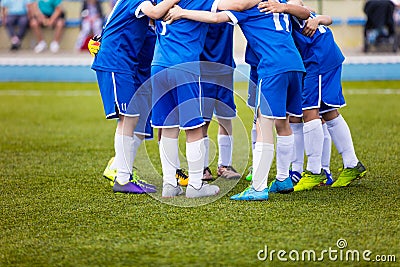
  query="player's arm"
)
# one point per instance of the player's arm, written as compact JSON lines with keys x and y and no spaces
{"x":177,"y":12}
{"x":276,"y":7}
{"x":312,"y":24}
{"x":157,"y":11}
{"x":236,"y":5}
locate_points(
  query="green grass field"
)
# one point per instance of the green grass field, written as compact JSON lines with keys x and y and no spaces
{"x":57,"y":210}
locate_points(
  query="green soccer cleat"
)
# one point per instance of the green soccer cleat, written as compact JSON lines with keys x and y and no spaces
{"x":109,"y":173}
{"x":348,"y":175}
{"x":249,"y":176}
{"x":309,"y":181}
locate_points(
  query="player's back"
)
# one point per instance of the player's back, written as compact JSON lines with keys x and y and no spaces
{"x":320,"y":53}
{"x":122,"y":38}
{"x":183,"y":40}
{"x":218,"y":48}
{"x":269,"y":35}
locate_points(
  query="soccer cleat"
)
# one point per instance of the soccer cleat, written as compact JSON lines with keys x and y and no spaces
{"x":348,"y":175}
{"x":206,"y":190}
{"x":169,"y":191}
{"x":182,"y":178}
{"x":309,"y":181}
{"x":329,"y":179}
{"x":128,"y":188}
{"x":249,"y":176}
{"x":228,"y":172}
{"x":283,"y":187}
{"x":295,"y":176}
{"x":250,"y":194}
{"x":207,"y":174}
{"x":148,"y":188}
{"x":109,"y":173}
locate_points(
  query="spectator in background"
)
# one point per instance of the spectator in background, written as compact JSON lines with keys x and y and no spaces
{"x":15,"y":19}
{"x":112,"y":3}
{"x":92,"y":22}
{"x":47,"y":13}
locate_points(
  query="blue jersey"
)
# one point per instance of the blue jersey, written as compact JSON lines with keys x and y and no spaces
{"x":320,"y":53}
{"x":122,"y":38}
{"x":269,"y":35}
{"x":250,"y":57}
{"x":183,"y":40}
{"x":218,"y":48}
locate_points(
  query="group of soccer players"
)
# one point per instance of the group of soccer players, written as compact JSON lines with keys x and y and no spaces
{"x":190,"y":66}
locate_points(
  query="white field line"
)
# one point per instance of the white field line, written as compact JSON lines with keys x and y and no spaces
{"x":96,"y":93}
{"x":49,"y":93}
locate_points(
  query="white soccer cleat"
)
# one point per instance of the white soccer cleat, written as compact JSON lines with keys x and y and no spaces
{"x":169,"y":191}
{"x":206,"y":190}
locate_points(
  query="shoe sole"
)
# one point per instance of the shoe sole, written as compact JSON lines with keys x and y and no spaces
{"x":286,"y":191}
{"x":205,"y":196}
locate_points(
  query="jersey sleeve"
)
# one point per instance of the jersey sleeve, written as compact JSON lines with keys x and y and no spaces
{"x":231,"y":14}
{"x":138,"y":10}
{"x":236,"y":16}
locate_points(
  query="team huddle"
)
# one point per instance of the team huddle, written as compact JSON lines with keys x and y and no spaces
{"x":177,"y":73}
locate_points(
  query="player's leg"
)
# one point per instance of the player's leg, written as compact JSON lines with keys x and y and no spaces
{"x":296,"y":124}
{"x":208,"y":98}
{"x":225,"y":111}
{"x":165,"y":116}
{"x":338,"y":129}
{"x":225,"y":148}
{"x":191,"y":120}
{"x":313,"y":134}
{"x":284,"y":157}
{"x":341,"y":136}
{"x":251,"y":102}
{"x":169,"y":156}
{"x":207,"y":174}
{"x":263,"y":155}
{"x":326,"y":154}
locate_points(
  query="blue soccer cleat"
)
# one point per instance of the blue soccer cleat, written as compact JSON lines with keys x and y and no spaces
{"x":329,"y":179}
{"x":295,"y":176}
{"x":250,"y":194}
{"x":282,"y":187}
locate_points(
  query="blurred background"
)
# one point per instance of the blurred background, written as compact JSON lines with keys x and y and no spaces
{"x":349,"y":29}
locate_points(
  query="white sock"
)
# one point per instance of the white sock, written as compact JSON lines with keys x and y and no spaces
{"x":284,"y":156}
{"x":195,"y":152}
{"x":169,"y":159}
{"x":341,"y":137}
{"x":207,"y":151}
{"x":313,"y":143}
{"x":298,"y":161}
{"x":263,"y":155}
{"x":225,"y":145}
{"x":326,"y":149}
{"x":123,"y":160}
{"x":253,"y":136}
